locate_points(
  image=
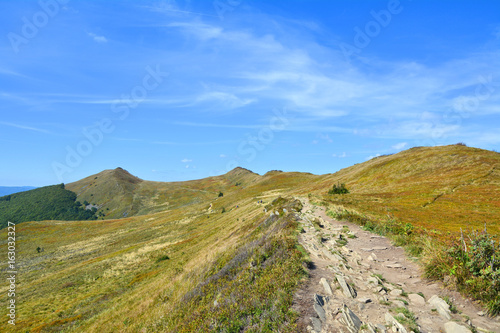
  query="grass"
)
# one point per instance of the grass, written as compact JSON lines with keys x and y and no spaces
{"x":91,"y":275}
{"x":112,"y":275}
{"x":409,"y":320}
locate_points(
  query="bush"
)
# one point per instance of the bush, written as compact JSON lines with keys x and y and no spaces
{"x":474,"y":262}
{"x":221,"y":194}
{"x":338,"y":189}
{"x":162,"y":258}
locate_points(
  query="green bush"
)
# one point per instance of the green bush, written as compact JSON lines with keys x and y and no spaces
{"x":474,"y":261}
{"x":338,"y":189}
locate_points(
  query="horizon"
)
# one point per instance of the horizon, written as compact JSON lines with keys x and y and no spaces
{"x":181,"y":90}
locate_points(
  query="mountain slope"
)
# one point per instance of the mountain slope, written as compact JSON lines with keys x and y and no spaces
{"x":442,"y":188}
{"x":110,"y":189}
{"x":44,"y":203}
{"x":190,"y":258}
{"x":117,"y":193}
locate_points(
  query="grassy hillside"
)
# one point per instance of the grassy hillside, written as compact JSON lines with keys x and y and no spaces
{"x":439,"y":188}
{"x":118,"y":194}
{"x":161,"y":272}
{"x":44,"y":203}
{"x":187,"y":259}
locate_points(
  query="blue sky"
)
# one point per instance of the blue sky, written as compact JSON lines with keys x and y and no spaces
{"x":178,"y":90}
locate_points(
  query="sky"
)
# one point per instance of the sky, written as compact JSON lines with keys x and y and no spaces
{"x":179,"y":90}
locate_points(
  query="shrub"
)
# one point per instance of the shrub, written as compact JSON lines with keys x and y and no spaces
{"x":221,"y":194}
{"x":474,"y":261}
{"x":162,"y":258}
{"x":338,"y":189}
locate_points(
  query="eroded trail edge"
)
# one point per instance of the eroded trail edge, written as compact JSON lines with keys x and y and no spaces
{"x":360,"y":282}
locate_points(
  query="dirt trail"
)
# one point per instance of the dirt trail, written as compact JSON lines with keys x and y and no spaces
{"x":366,"y":284}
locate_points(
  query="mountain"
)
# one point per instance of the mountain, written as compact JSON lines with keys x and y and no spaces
{"x":180,"y":257}
{"x":5,"y":190}
{"x":116,"y":193}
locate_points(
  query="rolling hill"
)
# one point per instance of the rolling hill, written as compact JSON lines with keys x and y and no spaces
{"x":177,"y":257}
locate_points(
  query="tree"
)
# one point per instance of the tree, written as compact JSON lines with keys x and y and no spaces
{"x":221,"y":194}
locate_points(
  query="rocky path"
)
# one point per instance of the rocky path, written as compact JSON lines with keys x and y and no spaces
{"x":359,"y":282}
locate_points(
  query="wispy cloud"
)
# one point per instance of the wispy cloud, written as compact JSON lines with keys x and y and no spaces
{"x":97,"y":38}
{"x":24,"y":127}
{"x":186,"y":160}
{"x":400,"y":145}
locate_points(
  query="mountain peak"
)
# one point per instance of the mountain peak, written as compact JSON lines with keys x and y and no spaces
{"x":240,"y":170}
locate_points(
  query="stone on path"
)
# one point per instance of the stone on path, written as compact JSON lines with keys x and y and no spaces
{"x":452,"y":327}
{"x":326,"y":286}
{"x":319,"y":302}
{"x":389,"y":319}
{"x":416,"y":299}
{"x":350,"y":320}
{"x":441,"y":306}
{"x":346,"y":288}
{"x":396,"y":292}
{"x":316,"y":324}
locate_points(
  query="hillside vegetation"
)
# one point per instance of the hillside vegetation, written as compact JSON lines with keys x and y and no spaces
{"x":179,"y":256}
{"x":44,"y":203}
{"x":119,"y":194}
{"x":438,"y":188}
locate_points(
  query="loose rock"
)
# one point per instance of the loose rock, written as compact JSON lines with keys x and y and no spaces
{"x":452,"y":327}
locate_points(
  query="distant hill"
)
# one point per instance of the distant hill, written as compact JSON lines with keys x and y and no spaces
{"x":4,"y":190}
{"x":44,"y":203}
{"x":119,"y":194}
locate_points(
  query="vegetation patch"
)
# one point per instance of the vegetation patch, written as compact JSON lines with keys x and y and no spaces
{"x":250,"y":290}
{"x":44,"y":203}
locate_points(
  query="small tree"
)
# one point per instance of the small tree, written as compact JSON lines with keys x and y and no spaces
{"x":338,"y":189}
{"x":221,"y":194}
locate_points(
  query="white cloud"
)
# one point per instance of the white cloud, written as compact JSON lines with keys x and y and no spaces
{"x":186,"y":160}
{"x":222,"y":99}
{"x":343,"y":155}
{"x":222,"y":156}
{"x":97,"y":38}
{"x":373,"y":156}
{"x":325,"y":137}
{"x":29,"y":128}
{"x":400,"y":145}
